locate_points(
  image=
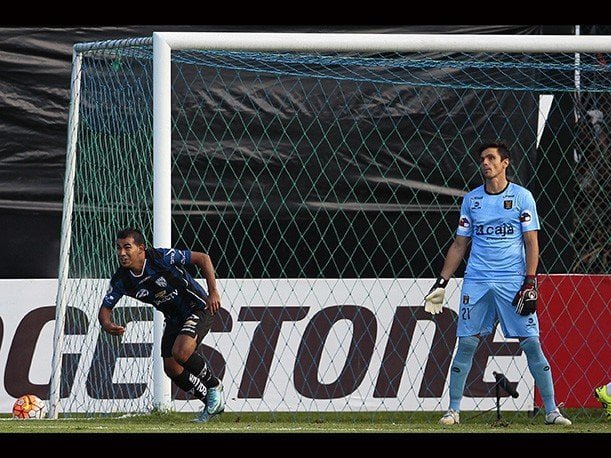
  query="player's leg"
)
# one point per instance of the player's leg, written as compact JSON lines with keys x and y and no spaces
{"x":184,"y":352}
{"x":193,"y":330}
{"x":472,"y":313}
{"x":526,"y":328}
{"x":184,"y":379}
{"x":603,"y":394}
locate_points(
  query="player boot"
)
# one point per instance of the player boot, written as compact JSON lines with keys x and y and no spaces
{"x":556,"y":418}
{"x":451,"y":417}
{"x":604,"y":398}
{"x":215,"y":404}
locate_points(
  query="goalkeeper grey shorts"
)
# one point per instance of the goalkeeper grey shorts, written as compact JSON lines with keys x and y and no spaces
{"x":482,"y":303}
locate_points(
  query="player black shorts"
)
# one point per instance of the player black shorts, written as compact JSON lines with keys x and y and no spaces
{"x":196,"y":325}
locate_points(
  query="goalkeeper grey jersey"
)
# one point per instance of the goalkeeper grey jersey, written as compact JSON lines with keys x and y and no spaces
{"x":496,"y":223}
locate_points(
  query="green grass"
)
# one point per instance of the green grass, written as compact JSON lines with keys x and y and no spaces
{"x":307,"y":422}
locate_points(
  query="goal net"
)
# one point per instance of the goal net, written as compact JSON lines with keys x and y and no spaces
{"x":325,"y":182}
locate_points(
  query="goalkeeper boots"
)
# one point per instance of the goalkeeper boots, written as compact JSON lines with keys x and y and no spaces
{"x":556,"y":418}
{"x":215,"y":404}
{"x":451,"y":417}
{"x":604,"y":397}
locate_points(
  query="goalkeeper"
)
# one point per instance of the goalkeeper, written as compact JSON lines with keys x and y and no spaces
{"x":157,"y":276}
{"x":500,"y":219}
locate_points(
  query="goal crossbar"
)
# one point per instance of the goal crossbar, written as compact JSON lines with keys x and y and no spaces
{"x":365,"y":42}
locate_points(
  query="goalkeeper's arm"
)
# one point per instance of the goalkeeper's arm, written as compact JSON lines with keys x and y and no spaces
{"x":434,"y":299}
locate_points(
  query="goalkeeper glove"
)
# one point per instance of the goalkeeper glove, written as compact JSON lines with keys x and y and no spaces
{"x":525,"y":301}
{"x":433,"y":301}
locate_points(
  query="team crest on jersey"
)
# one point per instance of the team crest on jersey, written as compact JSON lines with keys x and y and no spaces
{"x":508,"y":204}
{"x":526,"y":217}
{"x":161,"y":282}
{"x":465,"y":299}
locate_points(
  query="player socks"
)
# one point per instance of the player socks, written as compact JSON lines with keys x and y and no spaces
{"x":540,"y":370}
{"x":189,"y":382}
{"x":197,"y":365}
{"x":460,"y":369}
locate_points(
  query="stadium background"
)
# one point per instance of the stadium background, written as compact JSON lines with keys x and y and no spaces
{"x":34,"y":101}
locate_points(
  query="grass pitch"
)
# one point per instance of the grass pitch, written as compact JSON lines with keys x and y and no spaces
{"x":323,"y":423}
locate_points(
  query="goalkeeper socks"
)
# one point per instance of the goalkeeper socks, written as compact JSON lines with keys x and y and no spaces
{"x":540,"y":370}
{"x":188,"y":382}
{"x":460,"y":369}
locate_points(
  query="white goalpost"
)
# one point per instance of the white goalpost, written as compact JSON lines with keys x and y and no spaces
{"x":404,"y":289}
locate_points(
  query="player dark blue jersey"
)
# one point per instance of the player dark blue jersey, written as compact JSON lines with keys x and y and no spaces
{"x":164,"y":282}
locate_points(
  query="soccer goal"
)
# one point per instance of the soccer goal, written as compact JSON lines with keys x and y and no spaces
{"x":323,"y":173}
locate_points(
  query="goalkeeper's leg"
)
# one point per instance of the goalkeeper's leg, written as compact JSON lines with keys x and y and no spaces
{"x":461,"y":366}
{"x":540,"y":370}
{"x":542,"y":373}
{"x":475,"y":317}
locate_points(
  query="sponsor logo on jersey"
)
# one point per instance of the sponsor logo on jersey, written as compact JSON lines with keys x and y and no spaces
{"x":508,"y":204}
{"x":162,"y":297}
{"x":109,"y":290}
{"x":144,"y":279}
{"x":526,"y":217}
{"x":476,"y":205}
{"x":141,"y":293}
{"x":501,"y":229}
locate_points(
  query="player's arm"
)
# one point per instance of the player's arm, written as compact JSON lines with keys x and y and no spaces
{"x":434,"y":299}
{"x":104,"y":317}
{"x":114,"y":293}
{"x":454,"y":257}
{"x":531,"y":248}
{"x":203,"y":261}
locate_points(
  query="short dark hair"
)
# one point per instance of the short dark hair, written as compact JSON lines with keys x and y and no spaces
{"x":500,"y":145}
{"x":133,"y":233}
